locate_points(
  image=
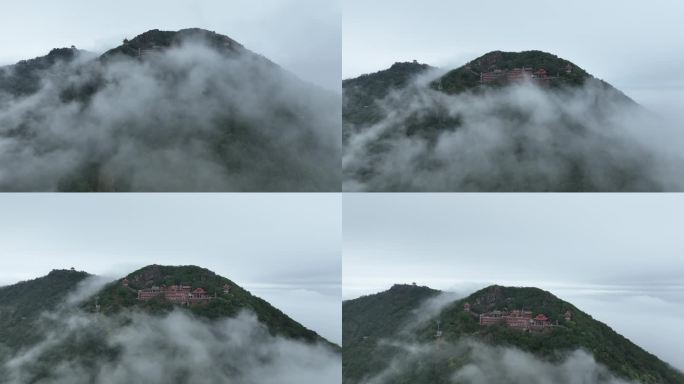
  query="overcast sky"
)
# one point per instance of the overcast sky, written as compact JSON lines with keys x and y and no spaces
{"x":304,"y":36}
{"x":635,"y":45}
{"x":616,"y":256}
{"x":284,"y":248}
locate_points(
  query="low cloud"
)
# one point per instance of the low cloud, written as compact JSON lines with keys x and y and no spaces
{"x":519,"y":138}
{"x":497,"y":365}
{"x":429,"y":309}
{"x":185,"y":119}
{"x":472,"y":362}
{"x":86,"y":289}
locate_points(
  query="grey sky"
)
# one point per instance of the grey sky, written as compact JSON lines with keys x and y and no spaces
{"x":304,"y":36}
{"x":284,"y":248}
{"x":616,"y":256}
{"x":634,"y":45}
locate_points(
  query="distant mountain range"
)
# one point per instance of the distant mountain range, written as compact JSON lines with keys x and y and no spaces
{"x":177,"y":297}
{"x":376,"y":326}
{"x":506,"y":121}
{"x":188,"y":110}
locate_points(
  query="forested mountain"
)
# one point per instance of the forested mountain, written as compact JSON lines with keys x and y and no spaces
{"x":506,"y":121}
{"x":404,"y":335}
{"x":157,"y":324}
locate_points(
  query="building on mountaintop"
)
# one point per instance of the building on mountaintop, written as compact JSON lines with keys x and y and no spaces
{"x":516,"y":74}
{"x":516,"y":319}
{"x":179,"y":294}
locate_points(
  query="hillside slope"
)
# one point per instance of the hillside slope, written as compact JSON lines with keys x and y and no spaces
{"x":22,"y":303}
{"x":369,"y":353}
{"x":361,"y":93}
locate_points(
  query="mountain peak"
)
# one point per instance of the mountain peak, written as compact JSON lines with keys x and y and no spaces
{"x":156,"y":275}
{"x":411,"y":66}
{"x":157,"y":40}
{"x":66,"y":272}
{"x":501,"y":298}
{"x":157,"y":289}
{"x":408,"y":287}
{"x":63,"y":53}
{"x":500,"y":68}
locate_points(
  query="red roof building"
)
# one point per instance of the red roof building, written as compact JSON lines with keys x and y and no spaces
{"x":179,"y":294}
{"x":517,"y":319}
{"x":516,"y":74}
{"x":541,"y":321}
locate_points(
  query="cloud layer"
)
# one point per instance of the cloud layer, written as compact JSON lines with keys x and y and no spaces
{"x":186,"y":119}
{"x":519,"y":138}
{"x":484,"y":364}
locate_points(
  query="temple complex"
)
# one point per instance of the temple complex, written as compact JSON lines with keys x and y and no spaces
{"x":518,"y":74}
{"x":179,"y":294}
{"x":516,"y":319}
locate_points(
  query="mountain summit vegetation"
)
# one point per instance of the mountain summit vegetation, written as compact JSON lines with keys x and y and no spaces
{"x":558,"y":71}
{"x":188,"y":110}
{"x":380,"y":329}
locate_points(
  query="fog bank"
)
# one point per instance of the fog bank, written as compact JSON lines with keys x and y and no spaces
{"x":486,"y":364}
{"x":188,"y":118}
{"x":522,"y":137}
